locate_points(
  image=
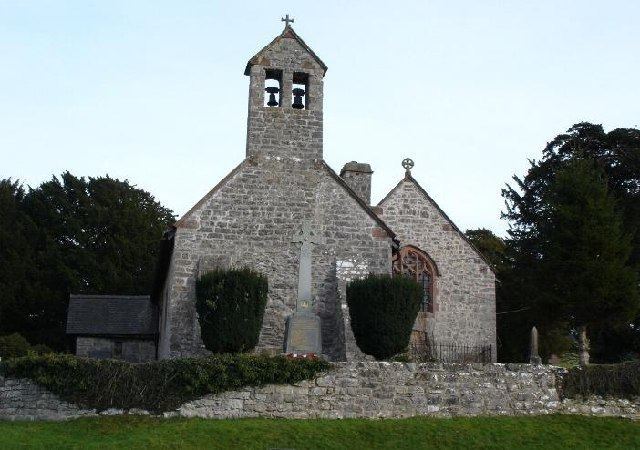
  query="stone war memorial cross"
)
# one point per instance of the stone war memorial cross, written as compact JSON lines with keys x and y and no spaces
{"x":307,"y":238}
{"x":303,"y":326}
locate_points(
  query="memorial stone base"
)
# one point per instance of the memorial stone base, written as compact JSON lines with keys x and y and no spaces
{"x":303,"y":333}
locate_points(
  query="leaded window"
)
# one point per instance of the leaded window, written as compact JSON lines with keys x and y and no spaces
{"x":412,"y":262}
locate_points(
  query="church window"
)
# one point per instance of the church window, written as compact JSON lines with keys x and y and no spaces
{"x":272,"y":87}
{"x":299,"y":93}
{"x":413,"y":263}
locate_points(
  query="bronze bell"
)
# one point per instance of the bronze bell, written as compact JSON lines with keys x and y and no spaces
{"x":272,"y":91}
{"x":297,"y":98}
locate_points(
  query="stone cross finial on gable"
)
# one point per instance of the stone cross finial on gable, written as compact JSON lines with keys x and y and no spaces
{"x":286,"y":20}
{"x":408,"y":164}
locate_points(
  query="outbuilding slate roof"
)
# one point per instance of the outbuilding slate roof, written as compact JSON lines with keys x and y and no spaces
{"x":111,"y":315}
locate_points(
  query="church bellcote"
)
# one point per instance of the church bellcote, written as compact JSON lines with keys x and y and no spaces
{"x":285,"y":99}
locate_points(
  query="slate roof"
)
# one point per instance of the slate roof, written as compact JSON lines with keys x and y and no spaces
{"x":111,"y":315}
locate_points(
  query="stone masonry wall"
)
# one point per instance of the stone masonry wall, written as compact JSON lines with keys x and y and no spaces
{"x":251,"y":220}
{"x":133,"y":350}
{"x":362,"y":390}
{"x":283,"y":131}
{"x":464,"y":306}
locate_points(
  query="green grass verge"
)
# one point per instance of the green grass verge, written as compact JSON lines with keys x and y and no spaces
{"x":133,"y":432}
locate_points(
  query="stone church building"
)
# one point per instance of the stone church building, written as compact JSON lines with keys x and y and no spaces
{"x":251,"y":217}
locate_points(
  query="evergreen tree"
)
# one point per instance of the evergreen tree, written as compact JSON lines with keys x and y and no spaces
{"x":588,"y":281}
{"x":89,"y":236}
{"x":16,"y":259}
{"x":523,"y":285}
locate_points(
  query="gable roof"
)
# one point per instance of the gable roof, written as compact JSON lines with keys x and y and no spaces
{"x":408,"y":177}
{"x":325,"y":166}
{"x":286,"y":33}
{"x":206,"y":196}
{"x":111,"y":315}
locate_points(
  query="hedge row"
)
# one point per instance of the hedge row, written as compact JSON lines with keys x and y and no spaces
{"x":155,"y":386}
{"x":615,"y":380}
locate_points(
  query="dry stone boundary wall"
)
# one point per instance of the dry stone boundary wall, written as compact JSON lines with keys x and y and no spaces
{"x":362,"y":389}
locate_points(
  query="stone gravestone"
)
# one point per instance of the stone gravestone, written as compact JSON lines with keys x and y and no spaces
{"x":303,"y":326}
{"x":534,"y":356}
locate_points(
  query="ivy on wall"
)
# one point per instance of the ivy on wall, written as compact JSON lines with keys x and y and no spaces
{"x":155,"y":386}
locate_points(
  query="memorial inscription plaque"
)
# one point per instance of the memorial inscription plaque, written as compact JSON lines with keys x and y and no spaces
{"x":304,"y":334}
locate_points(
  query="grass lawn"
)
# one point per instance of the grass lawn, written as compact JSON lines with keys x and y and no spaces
{"x":480,"y":432}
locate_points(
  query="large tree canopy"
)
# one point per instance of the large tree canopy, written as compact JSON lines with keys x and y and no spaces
{"x":17,"y":256}
{"x":617,"y":153}
{"x":74,"y":235}
{"x":566,"y":219}
{"x":585,"y":253}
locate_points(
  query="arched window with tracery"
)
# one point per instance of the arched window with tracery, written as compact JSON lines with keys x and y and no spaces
{"x":414,"y":263}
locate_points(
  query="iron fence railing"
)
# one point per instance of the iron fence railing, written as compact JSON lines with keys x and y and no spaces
{"x":427,"y":350}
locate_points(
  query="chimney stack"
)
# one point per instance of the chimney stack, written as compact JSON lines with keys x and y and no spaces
{"x":358,"y":177}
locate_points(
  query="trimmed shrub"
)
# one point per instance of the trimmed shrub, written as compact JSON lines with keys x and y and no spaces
{"x":383,"y":310}
{"x":159,"y":385}
{"x":615,"y":380}
{"x":13,"y":345}
{"x":230,"y":305}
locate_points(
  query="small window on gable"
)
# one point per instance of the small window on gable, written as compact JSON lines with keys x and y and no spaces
{"x":272,"y":88}
{"x":299,"y":93}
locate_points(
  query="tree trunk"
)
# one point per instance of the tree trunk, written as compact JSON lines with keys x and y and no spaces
{"x":583,"y":342}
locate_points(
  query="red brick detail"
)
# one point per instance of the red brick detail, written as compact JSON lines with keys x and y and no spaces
{"x":190,"y":224}
{"x":379,"y":233}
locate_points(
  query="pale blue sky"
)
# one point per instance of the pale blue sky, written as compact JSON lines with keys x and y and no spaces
{"x":154,"y":92}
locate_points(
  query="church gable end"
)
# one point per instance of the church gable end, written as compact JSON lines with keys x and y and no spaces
{"x":464,"y":310}
{"x":251,"y":220}
{"x":422,"y":194}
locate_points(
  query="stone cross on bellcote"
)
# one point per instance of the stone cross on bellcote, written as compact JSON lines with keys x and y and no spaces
{"x":286,"y":20}
{"x":307,"y":237}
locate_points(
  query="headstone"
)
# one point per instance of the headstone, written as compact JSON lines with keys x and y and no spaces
{"x":534,"y":356}
{"x":303,"y":326}
{"x":583,"y":345}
